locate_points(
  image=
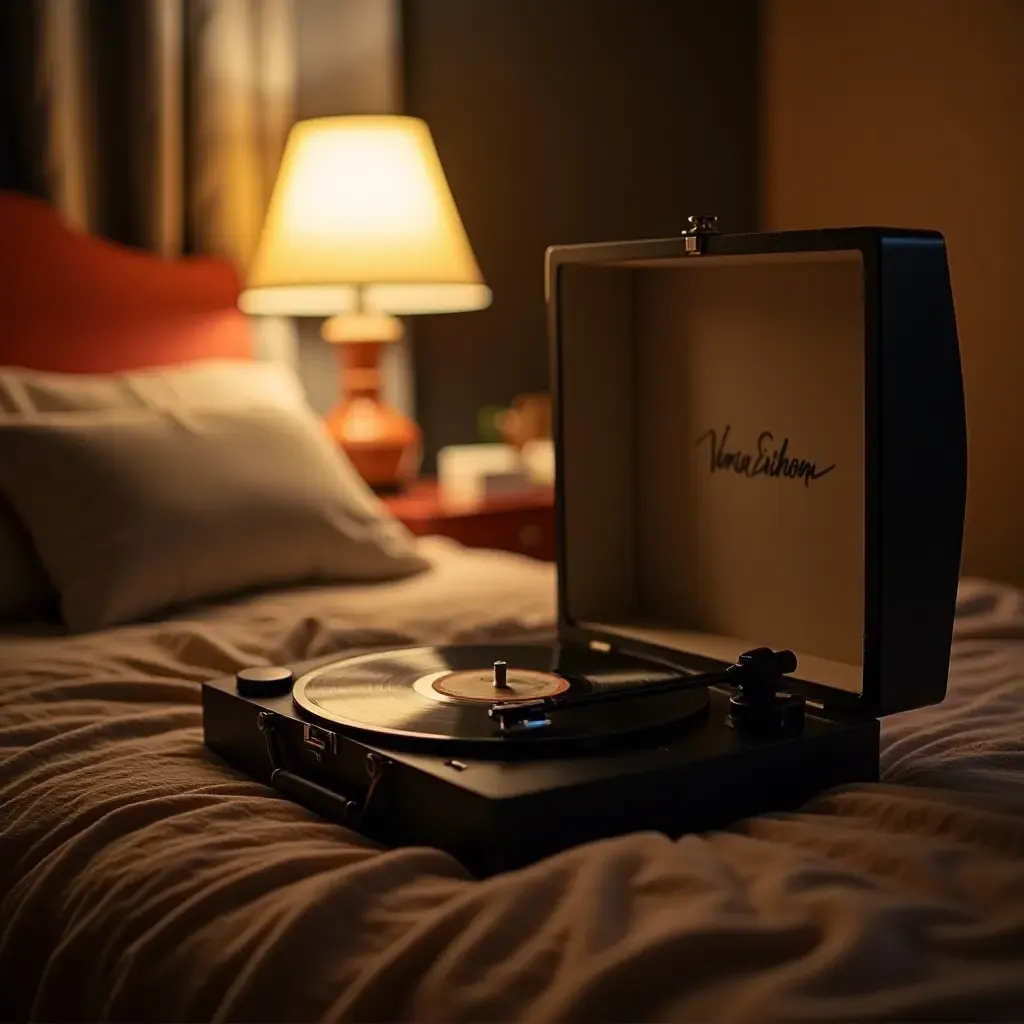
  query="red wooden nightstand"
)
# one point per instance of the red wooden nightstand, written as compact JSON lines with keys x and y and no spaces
{"x":524,"y":523}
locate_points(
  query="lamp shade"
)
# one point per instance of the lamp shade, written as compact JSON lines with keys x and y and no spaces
{"x":362,"y":217}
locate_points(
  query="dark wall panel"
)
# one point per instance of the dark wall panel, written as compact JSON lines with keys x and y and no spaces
{"x":569,"y":121}
{"x":22,"y":126}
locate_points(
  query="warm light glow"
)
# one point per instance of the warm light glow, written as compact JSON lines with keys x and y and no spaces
{"x":363,"y":201}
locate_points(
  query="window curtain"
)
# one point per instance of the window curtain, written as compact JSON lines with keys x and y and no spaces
{"x":155,"y":123}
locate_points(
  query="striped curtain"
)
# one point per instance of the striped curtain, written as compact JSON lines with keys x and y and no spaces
{"x":156,"y":123}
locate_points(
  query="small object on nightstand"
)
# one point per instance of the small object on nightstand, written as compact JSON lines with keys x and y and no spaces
{"x":470,"y":473}
{"x":523,"y":523}
{"x":529,"y":419}
{"x":539,"y":461}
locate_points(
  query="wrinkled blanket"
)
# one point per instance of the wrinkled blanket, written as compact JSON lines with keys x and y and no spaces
{"x":141,"y":878}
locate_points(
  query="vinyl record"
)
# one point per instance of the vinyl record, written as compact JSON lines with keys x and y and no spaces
{"x":436,"y":696}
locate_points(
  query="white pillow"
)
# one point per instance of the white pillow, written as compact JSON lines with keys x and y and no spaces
{"x":213,"y":384}
{"x":25,"y":591}
{"x":137,"y":512}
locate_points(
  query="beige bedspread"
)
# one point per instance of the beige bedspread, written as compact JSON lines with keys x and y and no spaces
{"x":141,"y":879}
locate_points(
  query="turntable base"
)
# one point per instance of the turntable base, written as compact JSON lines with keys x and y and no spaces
{"x":496,"y":813}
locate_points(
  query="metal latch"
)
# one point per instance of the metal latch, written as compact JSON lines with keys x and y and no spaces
{"x":701,"y":225}
{"x":319,"y":740}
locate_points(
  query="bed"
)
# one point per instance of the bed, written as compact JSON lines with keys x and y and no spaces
{"x":141,"y":878}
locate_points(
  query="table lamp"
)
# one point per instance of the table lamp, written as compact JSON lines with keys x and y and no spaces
{"x":362,"y":228}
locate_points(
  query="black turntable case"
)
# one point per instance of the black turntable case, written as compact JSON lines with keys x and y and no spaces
{"x":760,"y":441}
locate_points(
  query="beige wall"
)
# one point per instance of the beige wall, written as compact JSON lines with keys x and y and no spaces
{"x":911,"y":113}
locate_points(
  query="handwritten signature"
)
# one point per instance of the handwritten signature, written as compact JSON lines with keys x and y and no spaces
{"x":764,"y":462}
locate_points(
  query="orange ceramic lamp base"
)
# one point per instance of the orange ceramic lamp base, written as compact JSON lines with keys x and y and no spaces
{"x":382,"y":443}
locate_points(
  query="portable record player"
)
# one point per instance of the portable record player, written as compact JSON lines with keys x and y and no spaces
{"x":760,"y":487}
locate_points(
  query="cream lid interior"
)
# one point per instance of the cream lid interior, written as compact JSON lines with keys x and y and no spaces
{"x":712,"y":424}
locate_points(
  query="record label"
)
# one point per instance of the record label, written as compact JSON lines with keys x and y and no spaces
{"x":520,"y":684}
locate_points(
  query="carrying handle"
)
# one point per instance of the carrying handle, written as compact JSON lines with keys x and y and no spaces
{"x":312,"y":795}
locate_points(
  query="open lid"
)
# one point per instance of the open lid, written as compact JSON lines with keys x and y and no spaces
{"x":760,"y":442}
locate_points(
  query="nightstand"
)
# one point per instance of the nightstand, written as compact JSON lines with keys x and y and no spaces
{"x":524,"y":523}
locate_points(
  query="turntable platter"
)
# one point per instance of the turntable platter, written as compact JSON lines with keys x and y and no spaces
{"x":440,"y":696}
